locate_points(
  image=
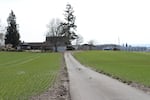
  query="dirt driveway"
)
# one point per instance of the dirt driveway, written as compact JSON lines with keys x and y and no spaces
{"x":86,"y":84}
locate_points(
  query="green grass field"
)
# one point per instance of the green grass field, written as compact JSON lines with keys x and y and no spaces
{"x":128,"y":66}
{"x":25,"y":74}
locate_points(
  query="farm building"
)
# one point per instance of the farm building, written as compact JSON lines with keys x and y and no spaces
{"x":49,"y":44}
{"x":99,"y":47}
{"x":32,"y":45}
{"x":108,"y":47}
{"x":52,"y":42}
{"x":87,"y":47}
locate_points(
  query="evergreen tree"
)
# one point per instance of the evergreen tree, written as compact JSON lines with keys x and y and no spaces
{"x":69,"y":26}
{"x":12,"y":34}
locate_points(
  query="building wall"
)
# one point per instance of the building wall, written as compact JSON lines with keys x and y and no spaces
{"x":61,"y":41}
{"x":60,"y":48}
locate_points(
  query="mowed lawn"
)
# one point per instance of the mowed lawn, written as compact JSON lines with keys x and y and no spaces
{"x":25,"y":74}
{"x":129,"y":66}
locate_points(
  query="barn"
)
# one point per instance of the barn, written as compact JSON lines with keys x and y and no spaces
{"x":50,"y":44}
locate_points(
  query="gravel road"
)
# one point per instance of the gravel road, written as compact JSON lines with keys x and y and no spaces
{"x":86,"y":84}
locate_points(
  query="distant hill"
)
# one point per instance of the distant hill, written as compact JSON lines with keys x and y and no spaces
{"x":141,"y":45}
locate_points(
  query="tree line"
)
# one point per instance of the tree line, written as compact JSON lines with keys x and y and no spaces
{"x":57,"y":28}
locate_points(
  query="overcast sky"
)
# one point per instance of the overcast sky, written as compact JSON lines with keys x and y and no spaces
{"x":105,"y":21}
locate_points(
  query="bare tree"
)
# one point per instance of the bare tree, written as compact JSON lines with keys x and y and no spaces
{"x":54,"y":27}
{"x":54,"y":30}
{"x":2,"y":27}
{"x":1,"y":39}
{"x":2,"y":31}
{"x":79,"y":40}
{"x":91,"y":44}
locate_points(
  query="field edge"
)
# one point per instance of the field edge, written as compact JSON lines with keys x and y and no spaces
{"x":137,"y":85}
